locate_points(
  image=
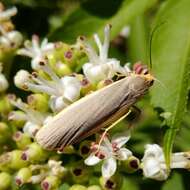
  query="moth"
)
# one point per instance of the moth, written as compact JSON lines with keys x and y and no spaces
{"x":93,"y":112}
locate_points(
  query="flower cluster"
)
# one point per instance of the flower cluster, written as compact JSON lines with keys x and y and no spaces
{"x":62,"y":74}
{"x":10,"y":38}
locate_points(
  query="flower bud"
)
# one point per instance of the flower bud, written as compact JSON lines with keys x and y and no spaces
{"x":84,"y":148}
{"x":94,"y":187}
{"x":22,"y":139}
{"x":3,"y":83}
{"x":4,"y":132}
{"x":130,"y":165}
{"x":50,"y":183}
{"x":5,"y":180}
{"x":12,"y":161}
{"x":34,"y":153}
{"x":104,"y":83}
{"x":38,"y":102}
{"x":68,"y":150}
{"x":21,"y":77}
{"x":62,"y":69}
{"x":5,"y":106}
{"x":23,"y":176}
{"x":114,"y":183}
{"x":80,"y":173}
{"x":77,"y":187}
{"x":86,"y":86}
{"x":17,"y":118}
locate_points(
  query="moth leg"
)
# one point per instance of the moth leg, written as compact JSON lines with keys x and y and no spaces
{"x":134,"y":116}
{"x":110,"y":127}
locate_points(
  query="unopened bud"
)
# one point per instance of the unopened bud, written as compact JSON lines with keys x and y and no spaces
{"x":130,"y":165}
{"x":23,"y":176}
{"x":50,"y":183}
{"x":34,"y":153}
{"x":38,"y":102}
{"x":77,"y":187}
{"x":5,"y":180}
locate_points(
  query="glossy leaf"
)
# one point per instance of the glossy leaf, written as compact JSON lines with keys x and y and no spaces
{"x":170,"y":51}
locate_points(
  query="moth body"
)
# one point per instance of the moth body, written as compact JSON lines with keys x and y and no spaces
{"x":93,"y":112}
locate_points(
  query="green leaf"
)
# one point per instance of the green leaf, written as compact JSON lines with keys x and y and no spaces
{"x":175,"y":182}
{"x":84,"y":22}
{"x":170,"y":50}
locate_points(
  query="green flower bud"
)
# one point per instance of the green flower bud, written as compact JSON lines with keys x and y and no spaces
{"x":84,"y":148}
{"x":114,"y":183}
{"x":12,"y":161}
{"x":77,"y":187}
{"x":68,"y":150}
{"x":5,"y":106}
{"x":104,"y":83}
{"x":50,"y":183}
{"x":94,"y":187}
{"x":23,"y":176}
{"x":62,"y":69}
{"x":80,"y":173}
{"x":87,"y":87}
{"x":16,"y":161}
{"x":38,"y":102}
{"x":5,"y":180}
{"x":35,"y":153}
{"x":22,"y":139}
{"x":130,"y":165}
{"x":17,"y":118}
{"x":4,"y":132}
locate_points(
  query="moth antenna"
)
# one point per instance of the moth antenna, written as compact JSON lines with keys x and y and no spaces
{"x":161,"y":83}
{"x":150,"y":43}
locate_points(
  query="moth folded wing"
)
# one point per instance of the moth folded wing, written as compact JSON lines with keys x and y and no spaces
{"x":92,"y":113}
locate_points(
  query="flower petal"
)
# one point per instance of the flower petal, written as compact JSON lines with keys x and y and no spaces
{"x":123,"y":154}
{"x":120,"y":139}
{"x":109,"y":167}
{"x":151,"y":167}
{"x":92,"y":160}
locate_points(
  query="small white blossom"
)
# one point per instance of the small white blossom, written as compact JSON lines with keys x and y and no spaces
{"x":100,"y":67}
{"x":21,"y":77}
{"x":154,"y":166}
{"x":36,"y":51}
{"x":109,"y":152}
{"x":63,"y":91}
{"x":12,"y":39}
{"x":56,"y":168}
{"x":34,"y":119}
{"x":7,"y":14}
{"x":9,"y":39}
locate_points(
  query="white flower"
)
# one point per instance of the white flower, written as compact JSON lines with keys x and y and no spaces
{"x":36,"y":51}
{"x":12,"y":39}
{"x":21,"y":77}
{"x":7,"y":14}
{"x":56,"y":168}
{"x":100,"y":67}
{"x":154,"y":166}
{"x":63,"y":91}
{"x":109,"y":152}
{"x":34,"y":119}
